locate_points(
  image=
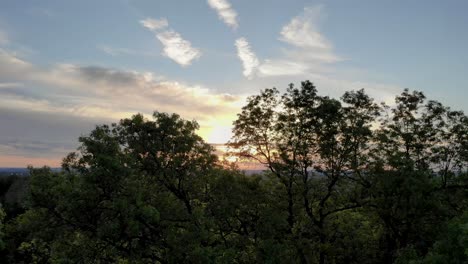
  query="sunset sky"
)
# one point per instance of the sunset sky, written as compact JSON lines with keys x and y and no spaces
{"x":66,"y":66}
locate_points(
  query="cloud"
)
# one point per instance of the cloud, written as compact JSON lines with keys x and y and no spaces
{"x":252,"y":67}
{"x":280,"y":67}
{"x":102,"y":75}
{"x":40,"y":148}
{"x":11,"y":65}
{"x":175,"y":47}
{"x":225,"y":12}
{"x":311,"y":56}
{"x":247,"y":56}
{"x":302,"y":30}
{"x":113,"y":51}
{"x":109,"y":94}
{"x":307,"y":51}
{"x":308,"y":45}
{"x":39,"y":138}
{"x":10,"y":85}
{"x":154,"y":24}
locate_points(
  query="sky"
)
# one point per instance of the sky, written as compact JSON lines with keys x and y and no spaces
{"x":67,"y":66}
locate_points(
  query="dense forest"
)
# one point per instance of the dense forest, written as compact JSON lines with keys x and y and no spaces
{"x":345,"y":181}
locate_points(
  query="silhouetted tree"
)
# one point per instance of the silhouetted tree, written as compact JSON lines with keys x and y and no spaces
{"x":346,"y":181}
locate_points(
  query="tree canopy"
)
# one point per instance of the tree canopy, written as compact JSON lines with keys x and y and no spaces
{"x":346,"y":180}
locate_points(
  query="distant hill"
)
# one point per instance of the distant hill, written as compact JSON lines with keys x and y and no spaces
{"x":19,"y":171}
{"x":25,"y":171}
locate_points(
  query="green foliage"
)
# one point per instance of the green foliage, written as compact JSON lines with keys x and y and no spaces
{"x":452,"y":247}
{"x":313,"y":145}
{"x":2,"y":227}
{"x":346,"y":181}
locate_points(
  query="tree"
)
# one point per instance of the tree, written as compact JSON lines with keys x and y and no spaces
{"x":314,"y":147}
{"x":132,"y":193}
{"x":346,"y":181}
{"x":452,"y":246}
{"x":2,"y":226}
{"x":419,"y":158}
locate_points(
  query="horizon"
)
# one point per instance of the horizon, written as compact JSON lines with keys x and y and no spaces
{"x":66,"y":67}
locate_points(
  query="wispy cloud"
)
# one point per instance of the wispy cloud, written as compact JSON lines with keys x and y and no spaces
{"x":225,"y":12}
{"x":154,"y":24}
{"x":302,"y":31}
{"x":175,"y":46}
{"x":247,"y":56}
{"x":279,"y":67}
{"x":11,"y":65}
{"x":308,"y":50}
{"x":307,"y":54}
{"x":113,"y":51}
{"x":269,"y":67}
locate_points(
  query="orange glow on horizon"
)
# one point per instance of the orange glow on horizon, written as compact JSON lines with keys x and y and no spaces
{"x":7,"y":161}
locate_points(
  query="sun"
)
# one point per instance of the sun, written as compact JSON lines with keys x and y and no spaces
{"x":218,"y":134}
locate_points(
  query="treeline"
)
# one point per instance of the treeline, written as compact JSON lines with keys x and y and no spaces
{"x":346,"y":181}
